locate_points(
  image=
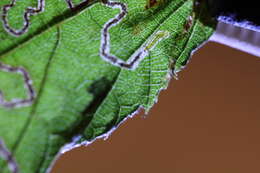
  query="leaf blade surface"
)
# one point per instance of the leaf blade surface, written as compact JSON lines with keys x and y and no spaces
{"x":78,"y":93}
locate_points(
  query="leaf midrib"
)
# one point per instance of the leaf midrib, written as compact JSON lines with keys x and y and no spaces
{"x":34,"y":106}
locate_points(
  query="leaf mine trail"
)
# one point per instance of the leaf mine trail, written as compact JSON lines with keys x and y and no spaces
{"x":135,"y":59}
{"x":28,"y":85}
{"x":131,"y":63}
{"x":30,"y":11}
{"x":7,"y":156}
{"x":72,"y":95}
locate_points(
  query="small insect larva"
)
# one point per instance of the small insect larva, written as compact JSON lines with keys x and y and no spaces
{"x":156,"y":39}
{"x":143,"y":51}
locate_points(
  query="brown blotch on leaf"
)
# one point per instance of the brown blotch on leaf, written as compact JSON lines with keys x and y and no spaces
{"x":138,"y":28}
{"x":151,"y":3}
{"x":154,"y":3}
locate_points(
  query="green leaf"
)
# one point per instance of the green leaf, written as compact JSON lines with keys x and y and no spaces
{"x":57,"y":87}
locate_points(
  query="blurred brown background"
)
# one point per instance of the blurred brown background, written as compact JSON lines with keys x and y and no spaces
{"x":206,"y":122}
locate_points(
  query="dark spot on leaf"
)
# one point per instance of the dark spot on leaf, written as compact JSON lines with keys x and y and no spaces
{"x":151,"y":3}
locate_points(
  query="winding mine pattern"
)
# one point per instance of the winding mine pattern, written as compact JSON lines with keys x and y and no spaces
{"x":30,"y":11}
{"x":7,"y":156}
{"x":28,"y":85}
{"x":131,"y":63}
{"x":105,"y":36}
{"x":28,"y":82}
{"x":142,"y":52}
